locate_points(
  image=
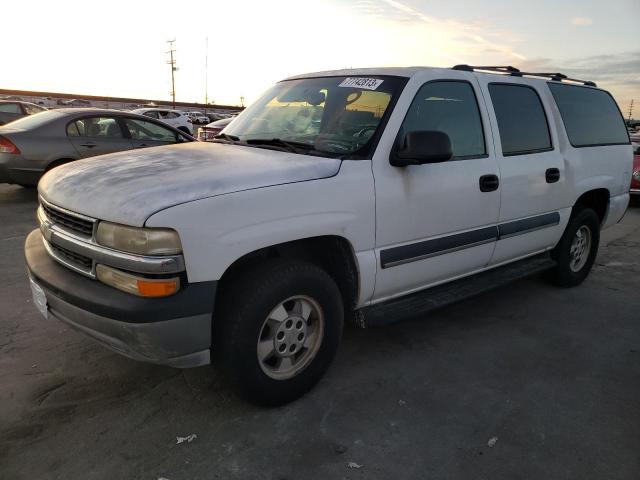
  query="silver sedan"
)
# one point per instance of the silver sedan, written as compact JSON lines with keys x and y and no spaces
{"x":32,"y":145}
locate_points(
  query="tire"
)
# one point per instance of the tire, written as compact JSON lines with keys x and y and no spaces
{"x":185,"y":130}
{"x":572,"y":268}
{"x":250,"y":320}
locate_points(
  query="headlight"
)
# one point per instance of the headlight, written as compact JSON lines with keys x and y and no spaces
{"x":143,"y":241}
{"x":636,"y":175}
{"x":140,"y":286}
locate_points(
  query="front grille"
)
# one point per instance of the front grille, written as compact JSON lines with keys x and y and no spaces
{"x":75,"y":259}
{"x":70,"y":222}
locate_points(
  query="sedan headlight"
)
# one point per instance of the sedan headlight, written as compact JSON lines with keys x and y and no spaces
{"x":142,"y":241}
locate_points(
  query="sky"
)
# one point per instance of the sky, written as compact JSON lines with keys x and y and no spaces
{"x":118,"y":48}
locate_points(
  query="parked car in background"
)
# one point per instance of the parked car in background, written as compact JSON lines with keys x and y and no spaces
{"x":11,"y":110}
{"x":174,"y":118}
{"x":635,"y":177}
{"x":198,"y":118}
{"x":32,"y":145}
{"x":75,"y":102}
{"x":208,"y":132}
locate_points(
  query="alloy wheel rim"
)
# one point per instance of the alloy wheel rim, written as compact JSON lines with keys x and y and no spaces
{"x":580,"y":249}
{"x":290,"y":337}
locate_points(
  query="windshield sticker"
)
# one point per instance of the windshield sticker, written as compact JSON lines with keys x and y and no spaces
{"x":360,"y":82}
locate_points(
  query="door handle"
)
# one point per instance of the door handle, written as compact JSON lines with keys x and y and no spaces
{"x":489,"y":183}
{"x":89,"y":144}
{"x":552,"y":175}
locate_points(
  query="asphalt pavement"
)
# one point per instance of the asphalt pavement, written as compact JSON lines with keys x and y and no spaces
{"x":526,"y":382}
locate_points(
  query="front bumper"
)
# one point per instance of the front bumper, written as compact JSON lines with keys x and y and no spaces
{"x":174,"y":331}
{"x":634,"y":191}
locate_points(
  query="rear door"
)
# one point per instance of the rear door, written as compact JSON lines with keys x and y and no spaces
{"x":97,"y":135}
{"x":532,"y":173}
{"x":436,"y":221}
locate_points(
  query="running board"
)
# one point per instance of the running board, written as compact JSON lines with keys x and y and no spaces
{"x":424,"y":301}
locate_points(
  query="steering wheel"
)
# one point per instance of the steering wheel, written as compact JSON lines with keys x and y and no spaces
{"x":350,"y":100}
{"x":334,"y":145}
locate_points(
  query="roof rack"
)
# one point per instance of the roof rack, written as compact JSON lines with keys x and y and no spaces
{"x":509,"y":70}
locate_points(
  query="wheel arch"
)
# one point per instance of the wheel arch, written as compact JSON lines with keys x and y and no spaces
{"x":332,"y":253}
{"x":597,"y":199}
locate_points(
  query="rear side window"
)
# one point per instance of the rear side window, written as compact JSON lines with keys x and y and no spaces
{"x":590,"y":116}
{"x":448,"y":106}
{"x":521,"y":119}
{"x":10,"y":108}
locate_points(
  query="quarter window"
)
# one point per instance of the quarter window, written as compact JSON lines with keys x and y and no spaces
{"x":521,"y":119}
{"x":450,"y":107}
{"x":590,"y":116}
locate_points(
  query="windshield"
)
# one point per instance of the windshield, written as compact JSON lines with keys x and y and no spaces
{"x":331,"y":115}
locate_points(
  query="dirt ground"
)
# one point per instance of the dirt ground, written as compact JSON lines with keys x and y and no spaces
{"x":526,"y":382}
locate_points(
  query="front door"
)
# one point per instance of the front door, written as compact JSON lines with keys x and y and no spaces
{"x":437,"y":221}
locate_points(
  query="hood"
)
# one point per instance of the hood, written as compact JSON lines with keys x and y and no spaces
{"x":128,"y":187}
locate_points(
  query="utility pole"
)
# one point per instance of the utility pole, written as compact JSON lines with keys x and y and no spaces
{"x":242,"y":101}
{"x":172,"y":63}
{"x":206,"y":75}
{"x":631,"y":110}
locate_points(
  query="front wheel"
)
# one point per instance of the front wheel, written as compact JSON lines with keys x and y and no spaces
{"x":278,"y":329}
{"x":576,"y":252}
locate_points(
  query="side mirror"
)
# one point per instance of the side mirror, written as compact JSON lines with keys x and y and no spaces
{"x":429,"y":146}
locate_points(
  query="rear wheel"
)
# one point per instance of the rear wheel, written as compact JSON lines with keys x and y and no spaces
{"x":576,"y":252}
{"x":278,"y":329}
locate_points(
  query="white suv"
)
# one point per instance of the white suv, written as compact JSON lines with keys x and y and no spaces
{"x":371,"y":194}
{"x":171,"y":117}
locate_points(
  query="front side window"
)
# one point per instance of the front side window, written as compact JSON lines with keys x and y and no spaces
{"x":32,"y":109}
{"x":105,"y":127}
{"x":151,"y":114}
{"x":450,"y":107}
{"x":522,"y":122}
{"x":142,"y":130}
{"x":590,"y":116}
{"x":334,"y":116}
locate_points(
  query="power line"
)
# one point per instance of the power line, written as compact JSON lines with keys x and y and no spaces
{"x":172,"y":63}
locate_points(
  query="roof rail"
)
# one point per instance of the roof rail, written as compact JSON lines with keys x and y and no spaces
{"x":509,"y":70}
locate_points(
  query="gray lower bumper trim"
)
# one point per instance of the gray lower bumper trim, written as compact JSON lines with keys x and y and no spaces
{"x":180,"y":342}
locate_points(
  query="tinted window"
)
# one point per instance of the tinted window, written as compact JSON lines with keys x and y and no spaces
{"x":32,"y":109}
{"x":95,"y":127}
{"x":521,"y":119}
{"x":10,"y":108}
{"x":151,"y":113}
{"x":590,"y":116}
{"x":141,"y":130}
{"x":450,"y":107}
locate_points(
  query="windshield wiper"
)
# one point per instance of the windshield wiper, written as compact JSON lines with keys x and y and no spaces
{"x":225,"y":136}
{"x":293,"y":147}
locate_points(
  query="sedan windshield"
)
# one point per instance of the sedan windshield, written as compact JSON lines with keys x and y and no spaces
{"x":335,"y":116}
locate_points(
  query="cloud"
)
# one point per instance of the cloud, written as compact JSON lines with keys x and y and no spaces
{"x":465,"y":37}
{"x":619,"y":73}
{"x":581,"y":21}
